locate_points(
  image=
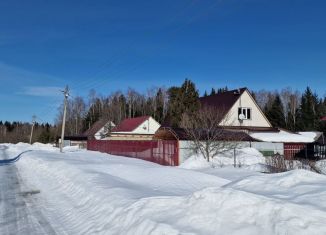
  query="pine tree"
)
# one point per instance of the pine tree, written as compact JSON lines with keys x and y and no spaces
{"x":182,"y":99}
{"x":322,"y":124}
{"x":275,"y":113}
{"x":159,"y":99}
{"x":174,"y":106}
{"x":190,"y":96}
{"x":309,"y":111}
{"x":221,"y":90}
{"x":213,"y":92}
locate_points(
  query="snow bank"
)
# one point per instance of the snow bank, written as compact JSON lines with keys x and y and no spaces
{"x":218,"y":211}
{"x":321,"y":166}
{"x":300,"y":186}
{"x":85,"y":192}
{"x":283,"y":137}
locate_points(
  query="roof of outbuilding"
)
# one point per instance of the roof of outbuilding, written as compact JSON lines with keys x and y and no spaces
{"x":225,"y":135}
{"x":130,"y":124}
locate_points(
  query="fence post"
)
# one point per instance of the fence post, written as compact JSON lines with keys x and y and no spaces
{"x":136,"y":149}
{"x":234,"y":159}
{"x":176,"y":160}
{"x":163,"y":152}
{"x":152,"y":157}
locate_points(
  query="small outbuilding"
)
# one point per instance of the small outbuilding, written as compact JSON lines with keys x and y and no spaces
{"x":99,"y":130}
{"x":139,"y":128}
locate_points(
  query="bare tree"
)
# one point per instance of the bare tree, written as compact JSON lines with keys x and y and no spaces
{"x":261,"y":97}
{"x":291,"y":102}
{"x":207,"y":132}
{"x":294,"y":103}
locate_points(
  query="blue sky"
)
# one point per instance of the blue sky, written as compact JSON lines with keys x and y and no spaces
{"x":113,"y":45}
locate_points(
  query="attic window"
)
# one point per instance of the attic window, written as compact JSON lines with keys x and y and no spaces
{"x":144,"y":127}
{"x":244,"y":113}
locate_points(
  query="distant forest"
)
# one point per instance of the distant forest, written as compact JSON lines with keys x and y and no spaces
{"x":286,"y":108}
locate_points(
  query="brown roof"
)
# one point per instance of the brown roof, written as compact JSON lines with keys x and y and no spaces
{"x":180,"y":134}
{"x":222,"y":101}
{"x":95,"y":128}
{"x":253,"y":128}
{"x":130,"y":124}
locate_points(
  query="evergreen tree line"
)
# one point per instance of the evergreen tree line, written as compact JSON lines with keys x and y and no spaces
{"x":14,"y":132}
{"x":292,"y":110}
{"x":285,"y":109}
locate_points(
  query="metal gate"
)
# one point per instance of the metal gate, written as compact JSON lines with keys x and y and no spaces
{"x":164,"y":152}
{"x":311,"y":151}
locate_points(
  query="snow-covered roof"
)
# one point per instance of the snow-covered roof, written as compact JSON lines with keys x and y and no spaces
{"x":310,"y":134}
{"x":285,"y":137}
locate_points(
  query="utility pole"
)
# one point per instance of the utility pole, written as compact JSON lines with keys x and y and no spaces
{"x":33,"y":124}
{"x":66,"y":95}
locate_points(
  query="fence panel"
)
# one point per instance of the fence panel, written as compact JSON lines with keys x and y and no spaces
{"x":293,"y":150}
{"x":164,"y":152}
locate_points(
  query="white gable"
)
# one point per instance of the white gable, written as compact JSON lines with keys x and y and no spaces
{"x":104,"y":130}
{"x":257,"y":118}
{"x":150,"y":126}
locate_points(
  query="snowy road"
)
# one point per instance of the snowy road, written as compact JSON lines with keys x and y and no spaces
{"x":18,"y":211}
{"x":85,"y":192}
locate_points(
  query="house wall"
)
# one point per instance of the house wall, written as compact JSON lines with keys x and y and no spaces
{"x":151,"y":127}
{"x":98,"y":135}
{"x":186,"y":150}
{"x":65,"y":142}
{"x":268,"y":148}
{"x":257,"y":117}
{"x":82,"y":144}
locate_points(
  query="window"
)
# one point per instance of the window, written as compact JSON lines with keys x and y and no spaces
{"x":246,"y":112}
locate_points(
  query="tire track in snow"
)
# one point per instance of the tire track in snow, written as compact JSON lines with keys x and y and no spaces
{"x":18,"y":213}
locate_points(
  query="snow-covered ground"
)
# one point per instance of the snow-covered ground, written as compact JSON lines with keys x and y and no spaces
{"x":83,"y":192}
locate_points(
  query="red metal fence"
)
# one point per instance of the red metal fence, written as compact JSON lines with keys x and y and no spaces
{"x":294,"y":150}
{"x":164,"y":152}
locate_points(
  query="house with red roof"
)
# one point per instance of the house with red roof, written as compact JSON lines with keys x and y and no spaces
{"x":138,"y":128}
